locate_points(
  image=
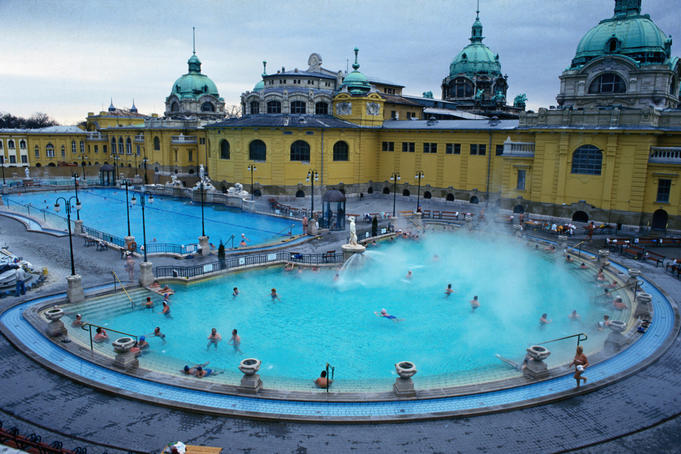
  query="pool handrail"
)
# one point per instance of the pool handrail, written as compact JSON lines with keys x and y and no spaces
{"x":89,"y":328}
{"x":580,"y":337}
{"x":132,"y":304}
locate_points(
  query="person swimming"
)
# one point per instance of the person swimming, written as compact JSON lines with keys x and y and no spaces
{"x":475,"y":303}
{"x":166,"y":309}
{"x":192,"y":370}
{"x":235,"y":341}
{"x":384,"y":314}
{"x":409,"y":275}
{"x":235,"y":292}
{"x":213,"y":338}
{"x":149,"y":304}
{"x":544,"y":319}
{"x":157,"y":332}
{"x":449,"y":290}
{"x":274,"y":295}
{"x":574,"y":315}
{"x":78,"y":321}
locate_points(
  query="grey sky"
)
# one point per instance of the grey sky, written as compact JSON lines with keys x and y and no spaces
{"x":67,"y":58}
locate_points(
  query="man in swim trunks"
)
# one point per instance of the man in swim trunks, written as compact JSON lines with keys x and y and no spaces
{"x":475,"y":303}
{"x":274,"y":295}
{"x":192,"y":370}
{"x":574,"y":315}
{"x":322,"y":381}
{"x":385,"y":314}
{"x":235,"y":293}
{"x":544,"y":319}
{"x":235,"y":341}
{"x":449,"y":290}
{"x":157,"y":332}
{"x":78,"y":321}
{"x":213,"y":339}
{"x":149,"y":304}
{"x":201,"y":372}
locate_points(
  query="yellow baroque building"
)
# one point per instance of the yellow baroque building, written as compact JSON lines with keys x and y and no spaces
{"x":610,"y":150}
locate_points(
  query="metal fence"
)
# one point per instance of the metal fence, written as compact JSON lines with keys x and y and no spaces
{"x":50,"y":219}
{"x":109,"y":238}
{"x":248,"y":260}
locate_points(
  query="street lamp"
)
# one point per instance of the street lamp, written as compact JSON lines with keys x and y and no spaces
{"x":203,"y":229}
{"x":82,"y":163}
{"x":144,"y":228}
{"x":75,"y":185}
{"x":419,"y":175}
{"x":127,"y":207}
{"x":251,"y":168}
{"x":312,"y":176}
{"x":2,"y":162}
{"x":67,"y":202}
{"x":115,"y":158}
{"x":395,"y":177}
{"x":145,"y":171}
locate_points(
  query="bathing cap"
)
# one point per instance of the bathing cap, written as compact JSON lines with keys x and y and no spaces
{"x":142,"y":338}
{"x":78,"y":315}
{"x":186,"y":368}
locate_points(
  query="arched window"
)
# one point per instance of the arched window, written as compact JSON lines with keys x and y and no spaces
{"x":298,"y":107}
{"x":257,"y":151}
{"x":157,"y":143}
{"x":137,"y":149}
{"x":255,"y":107}
{"x":386,"y":190}
{"x":340,"y":151}
{"x":128,"y":146}
{"x":207,"y":107}
{"x":73,"y":146}
{"x":82,"y":146}
{"x":406,"y":193}
{"x":22,"y":144}
{"x":37,"y":152}
{"x":174,"y":107}
{"x":450,"y":197}
{"x":475,"y":199}
{"x":10,"y":144}
{"x":63,"y":151}
{"x":300,"y":151}
{"x":613,"y":44}
{"x":49,"y":151}
{"x":461,"y":88}
{"x":224,"y":149}
{"x":273,"y":107}
{"x":300,"y":193}
{"x":587,"y":159}
{"x":321,"y":108}
{"x":120,"y":145}
{"x":113,"y":145}
{"x":427,"y":195}
{"x":608,"y":83}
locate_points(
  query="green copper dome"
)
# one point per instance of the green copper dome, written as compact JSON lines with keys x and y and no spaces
{"x":356,"y":82}
{"x":194,"y":84}
{"x":476,"y":57}
{"x":627,"y":33}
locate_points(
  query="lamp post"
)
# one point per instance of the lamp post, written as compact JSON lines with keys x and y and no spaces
{"x":419,"y":175}
{"x":251,"y":168}
{"x":114,"y":156}
{"x":395,"y":177}
{"x":312,"y":176}
{"x":146,"y":181}
{"x":82,"y":163}
{"x":203,"y":227}
{"x":144,"y":227}
{"x":2,"y":162}
{"x":75,"y":185}
{"x":127,"y":207}
{"x":67,"y":202}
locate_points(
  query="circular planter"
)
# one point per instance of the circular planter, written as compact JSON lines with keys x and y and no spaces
{"x":538,"y":352}
{"x":405,"y":369}
{"x":123,"y":344}
{"x":644,"y":298}
{"x":250,"y":366}
{"x":633,"y":272}
{"x":54,"y":314}
{"x":617,"y":325}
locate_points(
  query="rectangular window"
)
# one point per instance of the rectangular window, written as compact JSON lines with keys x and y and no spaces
{"x":12,"y":159}
{"x":190,"y":155}
{"x":202,"y":141}
{"x":521,"y":180}
{"x":37,"y":153}
{"x":104,"y":149}
{"x":24,"y":159}
{"x":408,"y":147}
{"x":82,"y":146}
{"x":481,"y":149}
{"x":500,"y":150}
{"x":388,"y":146}
{"x":393,"y":115}
{"x":453,"y":148}
{"x":663,"y":189}
{"x":96,"y":148}
{"x":474,"y":149}
{"x":429,"y":147}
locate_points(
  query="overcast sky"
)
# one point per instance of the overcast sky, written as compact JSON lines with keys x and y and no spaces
{"x":67,"y":58}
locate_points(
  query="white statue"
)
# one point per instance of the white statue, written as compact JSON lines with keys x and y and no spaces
{"x":26,"y":172}
{"x":353,"y":231}
{"x":202,"y":173}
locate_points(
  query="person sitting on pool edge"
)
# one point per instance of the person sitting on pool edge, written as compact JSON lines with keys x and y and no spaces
{"x":322,"y":381}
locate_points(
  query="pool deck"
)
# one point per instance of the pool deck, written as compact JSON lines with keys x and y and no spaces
{"x":638,"y":412}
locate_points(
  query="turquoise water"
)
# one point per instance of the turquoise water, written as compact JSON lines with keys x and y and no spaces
{"x":320,"y":319}
{"x":168,"y":220}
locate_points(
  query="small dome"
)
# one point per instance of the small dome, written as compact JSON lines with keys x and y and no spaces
{"x":627,"y":33}
{"x":333,"y":195}
{"x":261,"y":84}
{"x":356,"y":82}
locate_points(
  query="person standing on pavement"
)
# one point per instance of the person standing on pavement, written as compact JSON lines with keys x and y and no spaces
{"x":21,"y":279}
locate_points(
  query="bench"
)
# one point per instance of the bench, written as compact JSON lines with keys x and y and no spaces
{"x":633,"y":252}
{"x":654,"y":257}
{"x":194,"y":449}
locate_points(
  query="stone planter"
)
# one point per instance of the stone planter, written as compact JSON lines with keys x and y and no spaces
{"x":562,"y":242}
{"x":55,"y":327}
{"x":615,"y":340}
{"x":124,"y":359}
{"x":535,"y":367}
{"x":603,"y":255}
{"x":404,"y":386}
{"x":538,"y":352}
{"x":643,"y":305}
{"x":250,"y":382}
{"x":617,"y":325}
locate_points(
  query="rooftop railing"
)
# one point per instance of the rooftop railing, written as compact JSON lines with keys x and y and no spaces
{"x":665,"y":155}
{"x":520,"y":149}
{"x":182,"y":139}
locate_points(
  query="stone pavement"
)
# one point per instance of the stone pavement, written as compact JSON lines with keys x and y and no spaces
{"x":637,"y":413}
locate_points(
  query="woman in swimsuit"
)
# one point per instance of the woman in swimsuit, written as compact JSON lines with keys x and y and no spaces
{"x":580,"y":362}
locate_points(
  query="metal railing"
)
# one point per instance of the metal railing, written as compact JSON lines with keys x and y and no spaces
{"x":116,"y":278}
{"x":106,"y":237}
{"x":234,"y":262}
{"x":88,"y":327}
{"x":580,"y":337}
